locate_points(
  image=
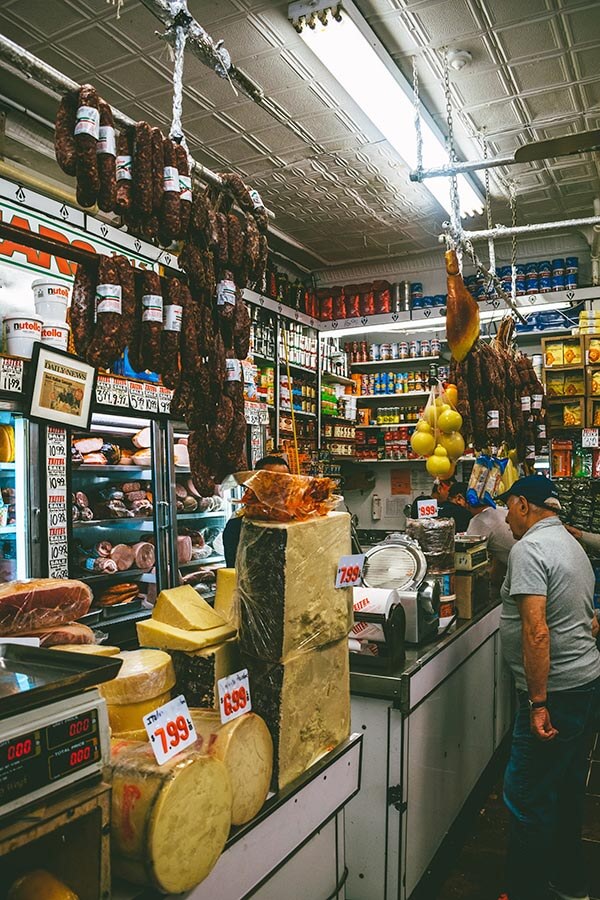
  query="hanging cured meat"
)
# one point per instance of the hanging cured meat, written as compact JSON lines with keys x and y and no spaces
{"x":462,"y":319}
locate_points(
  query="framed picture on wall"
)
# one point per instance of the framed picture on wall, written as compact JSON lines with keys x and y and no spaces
{"x":61,"y":388}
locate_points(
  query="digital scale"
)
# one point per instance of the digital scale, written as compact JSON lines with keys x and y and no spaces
{"x":53,"y":732}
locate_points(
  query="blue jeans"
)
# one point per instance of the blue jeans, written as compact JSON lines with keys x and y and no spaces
{"x":544,"y":789}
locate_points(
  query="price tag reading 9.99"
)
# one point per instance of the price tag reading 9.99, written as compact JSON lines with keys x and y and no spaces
{"x":170,"y":729}
{"x":427,"y":509}
{"x":349,"y":572}
{"x":234,"y":695}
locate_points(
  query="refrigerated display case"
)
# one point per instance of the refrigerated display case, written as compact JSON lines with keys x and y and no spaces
{"x":119,"y":543}
{"x":197,"y":522}
{"x":16,"y":497}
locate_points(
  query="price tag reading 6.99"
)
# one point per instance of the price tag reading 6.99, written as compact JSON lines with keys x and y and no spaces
{"x":349,"y":571}
{"x":170,"y":729}
{"x":234,"y":695}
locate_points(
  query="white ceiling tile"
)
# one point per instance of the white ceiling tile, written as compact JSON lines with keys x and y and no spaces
{"x":447,"y":20}
{"x":506,"y":11}
{"x":585,"y":24}
{"x":540,"y":74}
{"x":480,"y":87}
{"x":519,"y":41}
{"x":551,"y":104}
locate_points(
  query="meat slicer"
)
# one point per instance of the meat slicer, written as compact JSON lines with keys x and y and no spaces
{"x":399,"y":564}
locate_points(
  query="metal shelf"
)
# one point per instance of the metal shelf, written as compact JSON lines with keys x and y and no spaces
{"x":213,"y":514}
{"x":201,"y":562}
{"x":331,"y":378}
{"x":378,"y":398}
{"x":297,"y":412}
{"x":96,"y":577}
{"x":139,"y":523}
{"x":567,"y":368}
{"x":387,"y":425}
{"x":303,"y":369}
{"x":389,"y":363}
{"x":7,"y":467}
{"x":124,"y":469}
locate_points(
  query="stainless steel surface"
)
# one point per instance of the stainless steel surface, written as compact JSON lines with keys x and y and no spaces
{"x":398,"y":562}
{"x":460,"y":167}
{"x":501,"y":231}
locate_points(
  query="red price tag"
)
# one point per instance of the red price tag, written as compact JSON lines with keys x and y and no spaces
{"x":349,"y":572}
{"x":234,"y":696}
{"x":170,"y":729}
{"x":427,"y":509}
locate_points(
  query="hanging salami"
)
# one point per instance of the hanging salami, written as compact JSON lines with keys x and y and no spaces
{"x":87,"y":127}
{"x":107,"y":341}
{"x":106,"y":152}
{"x":64,"y":132}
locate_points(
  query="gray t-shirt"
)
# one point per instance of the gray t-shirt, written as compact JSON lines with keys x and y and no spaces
{"x":549,"y":562}
{"x":491,"y":523}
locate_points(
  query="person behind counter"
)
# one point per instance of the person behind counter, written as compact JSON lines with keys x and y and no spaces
{"x":490,"y":522}
{"x":547,"y":641}
{"x":588,"y":538}
{"x":232,"y":531}
{"x":456,"y":507}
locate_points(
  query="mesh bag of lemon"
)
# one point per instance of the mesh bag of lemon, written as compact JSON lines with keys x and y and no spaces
{"x":437,"y":434}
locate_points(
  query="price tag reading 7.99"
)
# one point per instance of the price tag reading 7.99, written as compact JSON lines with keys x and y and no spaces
{"x":349,"y":572}
{"x":170,"y":729}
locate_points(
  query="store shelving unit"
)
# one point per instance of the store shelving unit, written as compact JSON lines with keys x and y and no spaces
{"x":381,"y":398}
{"x":392,"y":364}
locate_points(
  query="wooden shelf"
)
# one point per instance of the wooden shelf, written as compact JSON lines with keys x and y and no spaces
{"x":565,"y":368}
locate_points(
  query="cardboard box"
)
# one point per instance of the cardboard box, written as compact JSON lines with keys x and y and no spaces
{"x":472,"y":592}
{"x":571,"y":352}
{"x":555,"y":384}
{"x":554,"y":354}
{"x":574,"y":383}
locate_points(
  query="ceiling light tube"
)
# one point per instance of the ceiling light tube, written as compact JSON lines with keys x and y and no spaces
{"x":358,"y":60}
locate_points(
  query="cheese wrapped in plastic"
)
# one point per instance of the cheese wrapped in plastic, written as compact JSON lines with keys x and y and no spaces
{"x":169,"y":823}
{"x":286,"y":595}
{"x":279,"y":497}
{"x":305,"y":702}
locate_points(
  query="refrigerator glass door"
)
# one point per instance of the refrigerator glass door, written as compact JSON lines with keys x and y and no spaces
{"x":15,"y":529}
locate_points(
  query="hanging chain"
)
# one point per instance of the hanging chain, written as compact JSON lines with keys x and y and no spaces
{"x":454,"y":198}
{"x":417,"y":106}
{"x":513,"y":258}
{"x":490,"y":222}
{"x":176,"y":132}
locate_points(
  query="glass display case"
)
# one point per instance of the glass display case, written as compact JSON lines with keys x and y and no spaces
{"x":15,"y":505}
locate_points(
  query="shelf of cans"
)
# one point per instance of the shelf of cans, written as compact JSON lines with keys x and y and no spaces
{"x":302,"y":393}
{"x":390,"y":415}
{"x":334,"y":358}
{"x":369,"y":384}
{"x":365,"y":352}
{"x":301,"y":345}
{"x":393,"y":444}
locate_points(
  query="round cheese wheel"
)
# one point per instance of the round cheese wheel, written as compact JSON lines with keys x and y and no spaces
{"x":139,"y":734}
{"x":128,"y":716}
{"x":169,"y":822}
{"x":143,"y":675}
{"x":40,"y":884}
{"x":95,"y":649}
{"x":245,"y":747}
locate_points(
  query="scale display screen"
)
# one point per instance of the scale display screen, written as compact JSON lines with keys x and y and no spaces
{"x":44,"y":755}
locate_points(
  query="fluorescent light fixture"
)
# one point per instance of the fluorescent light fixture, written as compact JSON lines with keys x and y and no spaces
{"x":360,"y":63}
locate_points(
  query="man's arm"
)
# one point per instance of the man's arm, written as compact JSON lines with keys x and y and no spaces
{"x":536,"y":660}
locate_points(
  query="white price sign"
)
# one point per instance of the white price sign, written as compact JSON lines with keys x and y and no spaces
{"x":427,"y":509}
{"x":170,"y":729}
{"x":590,"y":437}
{"x":234,"y":695}
{"x":103,"y":393}
{"x":11,"y":375}
{"x":164,"y":399}
{"x":349,"y":571}
{"x":137,"y":399}
{"x":151,"y":395}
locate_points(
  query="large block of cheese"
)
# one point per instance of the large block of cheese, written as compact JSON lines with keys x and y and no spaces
{"x":94,"y":649}
{"x":127,"y":717}
{"x":198,"y":672}
{"x":169,"y":823}
{"x":225,"y":595}
{"x":184,"y":608}
{"x":157,"y":634}
{"x":144,"y":674}
{"x":245,"y":747}
{"x":305,"y":702}
{"x":286,"y":584}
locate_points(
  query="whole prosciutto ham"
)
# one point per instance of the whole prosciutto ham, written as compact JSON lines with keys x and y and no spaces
{"x":41,"y":603}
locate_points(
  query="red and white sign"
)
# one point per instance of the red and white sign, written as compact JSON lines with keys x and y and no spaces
{"x":234,"y":695}
{"x":427,"y":509}
{"x":170,"y":729}
{"x":349,"y":572}
{"x":56,"y":496}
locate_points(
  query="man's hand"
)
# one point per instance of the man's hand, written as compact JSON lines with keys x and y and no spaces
{"x":595,"y":627}
{"x":540,"y":724}
{"x":576,"y":532}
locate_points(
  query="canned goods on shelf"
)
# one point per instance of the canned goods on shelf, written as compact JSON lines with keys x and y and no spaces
{"x":545,"y":268}
{"x":571,"y":279}
{"x":375,"y":352}
{"x":436,"y":346}
{"x":545,"y":284}
{"x":428,"y":302}
{"x":558,"y":267}
{"x":416,"y":290}
{"x":558,"y":282}
{"x":425,"y":348}
{"x":403,"y":347}
{"x":531,"y":268}
{"x":572,"y":264}
{"x":385,"y":352}
{"x":395,"y":350}
{"x":414,"y":349}
{"x":520,"y":270}
{"x":439,"y":300}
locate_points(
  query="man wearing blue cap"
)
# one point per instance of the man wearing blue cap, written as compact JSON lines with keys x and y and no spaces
{"x":546,"y":631}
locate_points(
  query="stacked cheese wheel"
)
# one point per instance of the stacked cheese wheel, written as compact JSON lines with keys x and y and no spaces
{"x":143,"y":684}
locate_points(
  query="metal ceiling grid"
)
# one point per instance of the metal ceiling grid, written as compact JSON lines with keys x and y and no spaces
{"x":343,"y":193}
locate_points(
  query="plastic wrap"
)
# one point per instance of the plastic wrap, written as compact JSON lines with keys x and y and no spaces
{"x":279,"y":497}
{"x":41,"y":603}
{"x":485,"y":480}
{"x":286,"y":598}
{"x":71,"y":633}
{"x":305,"y":702}
{"x":245,"y":748}
{"x":144,"y":674}
{"x":436,"y":539}
{"x":169,"y":823}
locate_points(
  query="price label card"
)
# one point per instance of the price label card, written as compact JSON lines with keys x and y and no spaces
{"x":427,"y":509}
{"x":170,"y":729}
{"x":234,"y":695}
{"x":119,"y":393}
{"x":11,"y":375}
{"x":349,"y":572}
{"x":137,"y":398}
{"x":164,"y":399}
{"x":590,"y":437}
{"x":103,"y":390}
{"x":151,"y":397}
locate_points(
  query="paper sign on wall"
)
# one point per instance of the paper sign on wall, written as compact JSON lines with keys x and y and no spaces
{"x":400,"y":482}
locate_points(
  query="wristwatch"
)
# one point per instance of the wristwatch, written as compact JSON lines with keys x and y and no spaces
{"x":537,"y":704}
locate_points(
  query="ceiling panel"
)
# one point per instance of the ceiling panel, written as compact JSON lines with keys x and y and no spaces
{"x":344,"y":193}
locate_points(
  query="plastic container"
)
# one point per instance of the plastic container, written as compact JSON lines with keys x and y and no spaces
{"x":51,"y":299}
{"x":55,"y":334}
{"x":21,"y":333}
